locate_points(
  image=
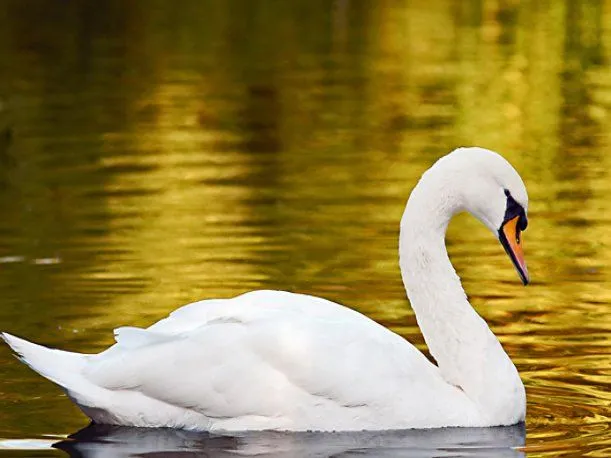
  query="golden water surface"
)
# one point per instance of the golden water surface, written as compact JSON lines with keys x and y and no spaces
{"x":153,"y":153}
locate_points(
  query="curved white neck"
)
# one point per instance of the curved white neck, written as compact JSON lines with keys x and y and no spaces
{"x":467,"y":353}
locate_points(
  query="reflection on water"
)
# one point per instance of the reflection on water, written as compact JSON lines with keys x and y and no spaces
{"x":152,"y":155}
{"x":105,"y":441}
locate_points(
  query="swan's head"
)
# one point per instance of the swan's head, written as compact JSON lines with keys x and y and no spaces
{"x":493,"y":192}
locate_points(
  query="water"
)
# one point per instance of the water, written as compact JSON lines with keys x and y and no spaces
{"x":154,"y":153}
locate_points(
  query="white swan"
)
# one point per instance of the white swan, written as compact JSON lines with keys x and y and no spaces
{"x":284,"y":361}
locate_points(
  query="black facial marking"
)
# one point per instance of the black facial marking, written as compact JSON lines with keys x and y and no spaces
{"x":514,"y":209}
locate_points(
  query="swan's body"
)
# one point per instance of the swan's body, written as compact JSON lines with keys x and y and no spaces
{"x":278,"y":360}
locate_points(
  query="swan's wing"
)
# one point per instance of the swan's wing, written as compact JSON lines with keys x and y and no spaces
{"x":254,"y":305}
{"x":262,"y":356}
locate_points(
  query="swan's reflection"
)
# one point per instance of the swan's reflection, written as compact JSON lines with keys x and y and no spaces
{"x":98,"y":441}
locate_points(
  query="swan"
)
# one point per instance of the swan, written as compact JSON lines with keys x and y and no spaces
{"x":275,"y":360}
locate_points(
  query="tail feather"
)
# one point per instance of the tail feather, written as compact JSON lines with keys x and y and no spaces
{"x":61,"y":367}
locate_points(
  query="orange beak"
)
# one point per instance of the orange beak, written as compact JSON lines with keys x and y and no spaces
{"x":510,"y":237}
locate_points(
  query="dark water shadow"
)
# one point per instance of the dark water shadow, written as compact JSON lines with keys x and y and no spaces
{"x":102,"y":441}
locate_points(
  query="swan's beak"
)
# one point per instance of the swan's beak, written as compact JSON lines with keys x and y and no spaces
{"x":510,"y":237}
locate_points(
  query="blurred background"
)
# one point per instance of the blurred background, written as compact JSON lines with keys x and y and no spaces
{"x":153,"y":153}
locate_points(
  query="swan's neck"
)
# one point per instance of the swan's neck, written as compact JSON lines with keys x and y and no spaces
{"x":467,"y":353}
